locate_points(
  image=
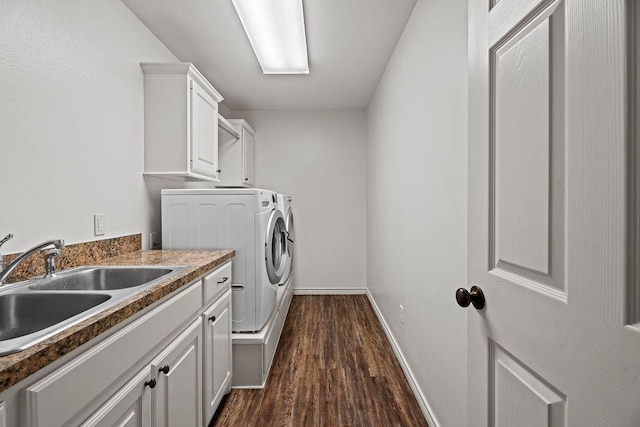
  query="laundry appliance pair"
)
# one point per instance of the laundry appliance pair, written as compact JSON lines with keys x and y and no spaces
{"x":249,"y":221}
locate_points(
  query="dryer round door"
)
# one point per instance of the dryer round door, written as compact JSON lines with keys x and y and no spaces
{"x":290,"y":234}
{"x":276,"y":246}
{"x":289,"y":242}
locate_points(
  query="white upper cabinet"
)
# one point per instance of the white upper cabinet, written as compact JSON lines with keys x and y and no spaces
{"x":180,"y":123}
{"x":236,"y":157}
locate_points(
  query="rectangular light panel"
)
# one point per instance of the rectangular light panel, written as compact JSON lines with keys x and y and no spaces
{"x":276,"y":32}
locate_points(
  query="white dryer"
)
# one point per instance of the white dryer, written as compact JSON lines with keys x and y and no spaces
{"x":284,"y":205}
{"x":245,"y":220}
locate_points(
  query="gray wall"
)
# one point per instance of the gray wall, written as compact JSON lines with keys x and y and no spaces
{"x":417,"y":201}
{"x":72,"y":120}
{"x":380,"y":197}
{"x":319,"y":158}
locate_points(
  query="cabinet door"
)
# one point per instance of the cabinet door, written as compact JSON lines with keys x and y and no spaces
{"x":217,"y":353}
{"x":3,"y":414}
{"x":247,"y":157}
{"x":178,"y":371}
{"x":129,"y":407}
{"x":204,"y":132}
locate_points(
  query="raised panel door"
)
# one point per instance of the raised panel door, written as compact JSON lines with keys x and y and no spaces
{"x":204,"y":132}
{"x":217,"y":353}
{"x":129,"y":407}
{"x":248,"y":143}
{"x":551,"y":213}
{"x":178,"y":372}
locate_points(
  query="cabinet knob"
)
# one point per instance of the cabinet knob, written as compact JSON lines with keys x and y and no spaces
{"x":164,"y":369}
{"x":151,"y":384}
{"x":212,"y":318}
{"x":246,"y":179}
{"x":218,"y":170}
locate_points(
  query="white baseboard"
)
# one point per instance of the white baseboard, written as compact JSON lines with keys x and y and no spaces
{"x":422,"y":401}
{"x":249,"y":387}
{"x":329,"y":291}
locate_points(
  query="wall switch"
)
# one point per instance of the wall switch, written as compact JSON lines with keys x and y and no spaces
{"x":98,"y":224}
{"x":402,"y":314}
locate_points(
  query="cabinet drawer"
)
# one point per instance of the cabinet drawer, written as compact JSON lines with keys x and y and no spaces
{"x":53,"y":400}
{"x":216,"y":283}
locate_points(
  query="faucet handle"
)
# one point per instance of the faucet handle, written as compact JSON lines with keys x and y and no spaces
{"x":50,"y":258}
{"x":53,"y":252}
{"x":6,"y":239}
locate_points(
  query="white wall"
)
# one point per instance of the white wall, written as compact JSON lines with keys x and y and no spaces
{"x":71,"y":120}
{"x":319,"y":158}
{"x":72,"y":130}
{"x":71,"y":144}
{"x":417,"y":201}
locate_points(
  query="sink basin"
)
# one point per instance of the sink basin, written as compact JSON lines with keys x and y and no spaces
{"x":23,"y":314}
{"x":103,"y":278}
{"x":37,"y":309}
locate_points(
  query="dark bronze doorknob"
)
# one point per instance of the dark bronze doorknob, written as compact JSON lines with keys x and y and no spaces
{"x":475,"y":297}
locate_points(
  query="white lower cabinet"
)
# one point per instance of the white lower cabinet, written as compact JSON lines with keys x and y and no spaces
{"x":177,"y":395}
{"x":170,"y":366}
{"x":168,"y":392}
{"x":3,"y":415}
{"x":129,"y":407}
{"x":217,"y":353}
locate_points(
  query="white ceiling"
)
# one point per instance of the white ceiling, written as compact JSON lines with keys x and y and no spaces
{"x":349,"y":43}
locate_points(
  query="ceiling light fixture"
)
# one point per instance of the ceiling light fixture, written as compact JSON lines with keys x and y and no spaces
{"x":276,"y":32}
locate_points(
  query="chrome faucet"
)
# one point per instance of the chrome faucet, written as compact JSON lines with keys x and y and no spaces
{"x":59,"y":244}
{"x":50,"y":265}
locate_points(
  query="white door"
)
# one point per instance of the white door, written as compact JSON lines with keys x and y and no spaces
{"x":204,"y":132}
{"x":217,"y":354}
{"x":129,"y":407}
{"x":553,"y":213}
{"x":177,"y":399}
{"x":248,"y":144}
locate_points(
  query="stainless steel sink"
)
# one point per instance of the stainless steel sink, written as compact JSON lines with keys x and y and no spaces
{"x":103,"y":278}
{"x":37,"y":309}
{"x":23,"y":314}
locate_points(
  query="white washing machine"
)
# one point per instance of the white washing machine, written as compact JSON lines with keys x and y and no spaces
{"x":284,"y":205}
{"x":245,"y":220}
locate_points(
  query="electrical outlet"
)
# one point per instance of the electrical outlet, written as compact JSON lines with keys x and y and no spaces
{"x":401,"y":314}
{"x":153,"y":240}
{"x":98,"y":224}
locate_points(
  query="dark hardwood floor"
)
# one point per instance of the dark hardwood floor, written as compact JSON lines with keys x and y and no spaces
{"x":334,"y":367}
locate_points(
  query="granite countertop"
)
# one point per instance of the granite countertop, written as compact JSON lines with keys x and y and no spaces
{"x":18,"y":366}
